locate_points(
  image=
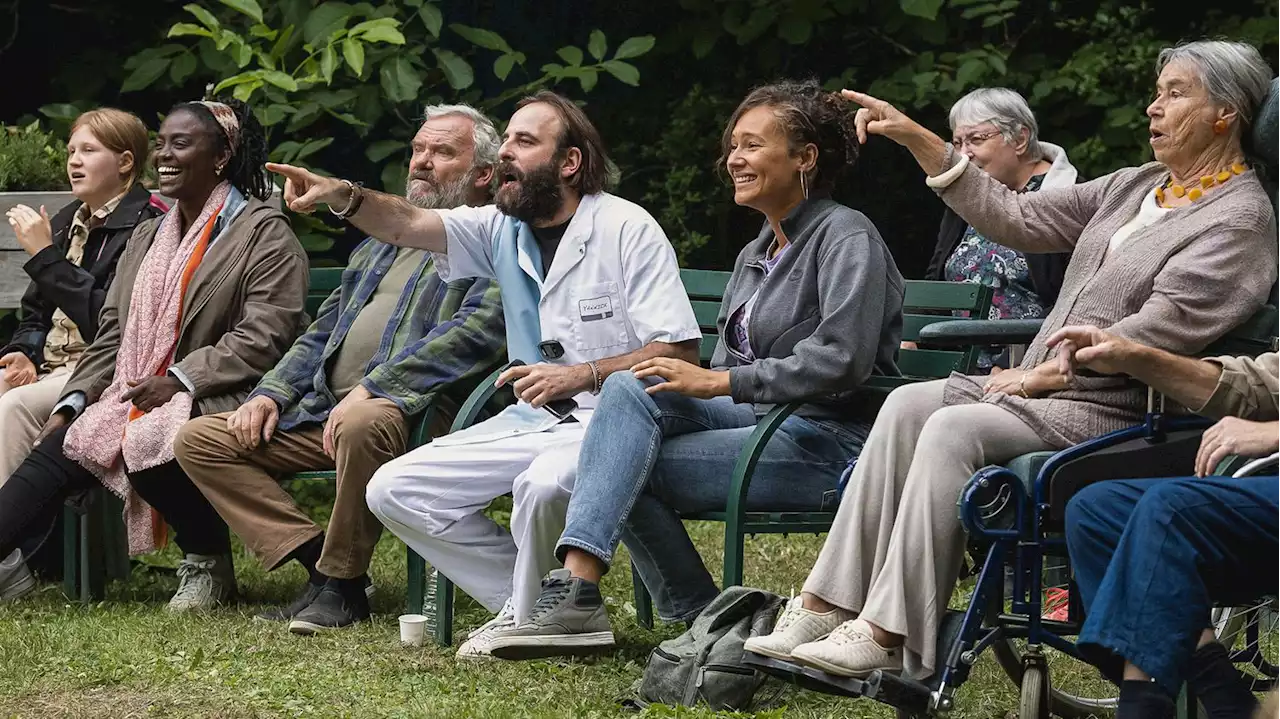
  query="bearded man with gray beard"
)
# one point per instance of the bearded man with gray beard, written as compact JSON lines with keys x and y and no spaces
{"x":387,"y":343}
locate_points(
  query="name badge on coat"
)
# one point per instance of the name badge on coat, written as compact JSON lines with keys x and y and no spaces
{"x":595,"y":308}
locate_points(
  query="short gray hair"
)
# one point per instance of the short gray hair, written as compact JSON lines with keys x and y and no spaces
{"x":1002,"y":107}
{"x":484,"y":135}
{"x":1234,"y":73}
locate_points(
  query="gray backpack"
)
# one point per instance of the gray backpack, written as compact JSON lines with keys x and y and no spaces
{"x":705,"y":663}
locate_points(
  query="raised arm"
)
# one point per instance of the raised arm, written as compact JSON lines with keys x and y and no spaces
{"x":389,"y":218}
{"x":1036,"y":222}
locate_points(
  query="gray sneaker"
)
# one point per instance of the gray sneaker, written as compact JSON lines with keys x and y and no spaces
{"x":15,"y":579}
{"x":568,"y":619}
{"x":204,"y":583}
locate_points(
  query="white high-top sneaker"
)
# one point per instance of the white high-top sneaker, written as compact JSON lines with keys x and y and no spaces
{"x":204,"y":583}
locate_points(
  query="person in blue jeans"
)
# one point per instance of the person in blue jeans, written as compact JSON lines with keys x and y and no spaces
{"x":813,"y":308}
{"x":1152,"y":556}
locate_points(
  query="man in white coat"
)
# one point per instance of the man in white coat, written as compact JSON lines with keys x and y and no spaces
{"x":590,"y":286}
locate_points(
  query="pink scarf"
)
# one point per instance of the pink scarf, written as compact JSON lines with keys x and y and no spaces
{"x":104,"y":440}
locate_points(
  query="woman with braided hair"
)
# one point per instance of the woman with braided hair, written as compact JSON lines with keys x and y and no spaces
{"x":206,"y":299}
{"x":813,"y":308}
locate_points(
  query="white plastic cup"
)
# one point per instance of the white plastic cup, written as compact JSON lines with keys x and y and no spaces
{"x":412,"y":629}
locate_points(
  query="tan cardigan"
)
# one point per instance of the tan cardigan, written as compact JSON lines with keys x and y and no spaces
{"x":242,"y":310}
{"x":1177,"y":285}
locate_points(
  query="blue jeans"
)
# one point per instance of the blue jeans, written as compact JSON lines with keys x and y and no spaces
{"x":1152,"y":557}
{"x":647,"y":459}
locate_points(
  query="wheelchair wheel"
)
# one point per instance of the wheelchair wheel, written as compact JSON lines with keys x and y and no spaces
{"x":1077,"y":692}
{"x":1250,"y":635}
{"x":1033,"y":700}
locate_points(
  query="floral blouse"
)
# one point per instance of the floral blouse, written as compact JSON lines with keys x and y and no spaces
{"x":979,"y":260}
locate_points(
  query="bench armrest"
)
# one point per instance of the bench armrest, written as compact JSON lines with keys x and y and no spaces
{"x":959,"y":333}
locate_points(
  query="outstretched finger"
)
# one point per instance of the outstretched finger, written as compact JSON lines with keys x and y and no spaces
{"x":863,"y":99}
{"x":288,"y":172}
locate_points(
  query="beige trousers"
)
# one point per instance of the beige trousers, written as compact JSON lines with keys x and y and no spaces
{"x":243,"y":484}
{"x":895,"y":550}
{"x":23,"y":413}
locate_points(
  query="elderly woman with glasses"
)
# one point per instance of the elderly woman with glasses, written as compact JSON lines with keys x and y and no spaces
{"x":1172,"y":255}
{"x":995,"y":129}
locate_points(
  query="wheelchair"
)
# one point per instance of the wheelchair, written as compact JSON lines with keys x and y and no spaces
{"x":1014,"y":516}
{"x":1250,"y":632}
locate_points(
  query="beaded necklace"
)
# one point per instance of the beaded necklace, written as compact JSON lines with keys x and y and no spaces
{"x":1194,"y":193}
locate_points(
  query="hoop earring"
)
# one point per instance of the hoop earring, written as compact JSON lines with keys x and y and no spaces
{"x":804,"y":185}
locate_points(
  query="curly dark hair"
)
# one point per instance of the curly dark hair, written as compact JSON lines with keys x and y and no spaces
{"x":245,"y":169}
{"x":806,"y":113}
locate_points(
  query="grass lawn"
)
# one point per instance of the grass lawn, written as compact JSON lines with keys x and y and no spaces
{"x":126,"y":657}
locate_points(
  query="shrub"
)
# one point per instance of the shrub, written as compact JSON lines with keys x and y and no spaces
{"x":31,"y":159}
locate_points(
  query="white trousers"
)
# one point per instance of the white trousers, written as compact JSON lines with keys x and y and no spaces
{"x":433,"y":499}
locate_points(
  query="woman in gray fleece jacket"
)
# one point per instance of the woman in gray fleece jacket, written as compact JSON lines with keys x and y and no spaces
{"x":813,"y":309}
{"x":1173,"y":255}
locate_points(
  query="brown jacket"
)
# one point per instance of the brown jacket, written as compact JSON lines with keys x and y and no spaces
{"x":1177,"y":285}
{"x":1247,"y":388}
{"x":242,"y":310}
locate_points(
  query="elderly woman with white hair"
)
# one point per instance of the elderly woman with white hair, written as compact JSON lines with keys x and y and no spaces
{"x":995,"y":128}
{"x":1172,"y":255}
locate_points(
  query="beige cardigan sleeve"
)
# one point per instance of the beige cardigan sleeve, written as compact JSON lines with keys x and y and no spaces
{"x":1049,"y":220}
{"x":1247,"y":388}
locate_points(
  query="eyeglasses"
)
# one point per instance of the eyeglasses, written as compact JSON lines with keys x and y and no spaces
{"x":974,"y":140}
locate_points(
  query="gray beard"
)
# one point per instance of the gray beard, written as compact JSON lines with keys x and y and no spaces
{"x":440,"y":197}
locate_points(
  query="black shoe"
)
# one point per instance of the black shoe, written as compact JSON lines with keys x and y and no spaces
{"x":1223,"y":691}
{"x":302,"y":601}
{"x":338,"y":605}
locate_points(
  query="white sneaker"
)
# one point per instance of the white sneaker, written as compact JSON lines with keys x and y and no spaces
{"x":477,"y":646}
{"x":796,"y":626}
{"x":204,"y":583}
{"x":849,"y":651}
{"x":15,"y":579}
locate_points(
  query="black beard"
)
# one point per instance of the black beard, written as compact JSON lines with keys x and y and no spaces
{"x":539,"y":195}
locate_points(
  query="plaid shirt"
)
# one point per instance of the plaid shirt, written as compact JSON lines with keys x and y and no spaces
{"x":439,"y":334}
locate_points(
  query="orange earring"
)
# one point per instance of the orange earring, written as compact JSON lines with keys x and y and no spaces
{"x":1219,"y":127}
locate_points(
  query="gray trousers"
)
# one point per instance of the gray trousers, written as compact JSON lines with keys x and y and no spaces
{"x":895,"y":550}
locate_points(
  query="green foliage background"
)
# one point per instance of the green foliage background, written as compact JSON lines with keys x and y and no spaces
{"x":341,"y":85}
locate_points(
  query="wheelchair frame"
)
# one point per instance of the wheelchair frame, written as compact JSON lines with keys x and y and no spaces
{"x":983,"y":624}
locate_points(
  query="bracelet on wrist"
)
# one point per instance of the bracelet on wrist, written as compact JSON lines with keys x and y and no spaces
{"x":353,"y":204}
{"x":596,"y":379}
{"x":1022,"y":386}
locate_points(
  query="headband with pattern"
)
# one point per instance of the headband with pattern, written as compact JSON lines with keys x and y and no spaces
{"x":227,"y":120}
